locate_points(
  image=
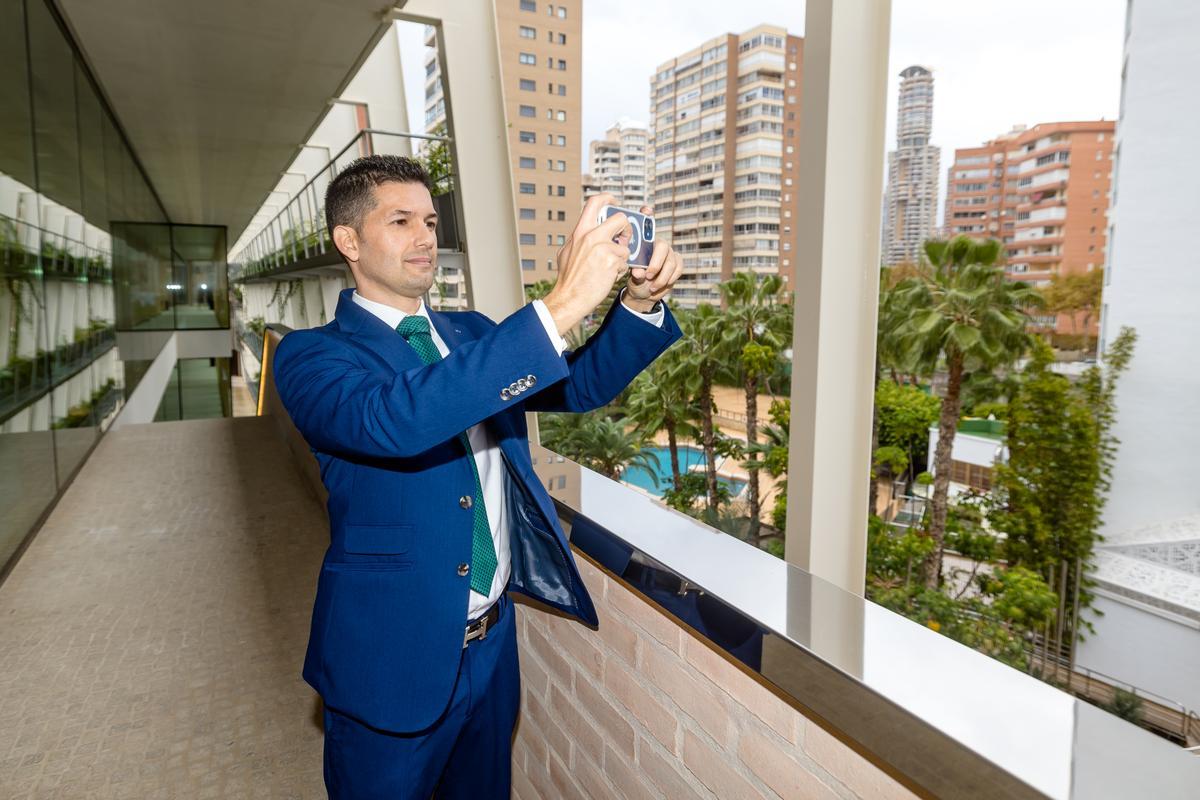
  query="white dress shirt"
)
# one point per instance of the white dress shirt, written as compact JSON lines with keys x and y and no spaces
{"x":488,"y":459}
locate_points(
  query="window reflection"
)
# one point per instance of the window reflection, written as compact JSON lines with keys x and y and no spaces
{"x":65,"y":174}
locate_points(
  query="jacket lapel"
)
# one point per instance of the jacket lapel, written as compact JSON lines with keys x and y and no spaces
{"x":374,"y":334}
{"x":451,"y":332}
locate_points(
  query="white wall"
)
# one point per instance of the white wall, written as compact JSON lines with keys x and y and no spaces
{"x":1153,"y":276}
{"x":969,"y":449}
{"x":1152,"y":651}
{"x":143,"y":404}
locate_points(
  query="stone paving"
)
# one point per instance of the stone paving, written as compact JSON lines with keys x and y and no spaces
{"x":152,"y":635}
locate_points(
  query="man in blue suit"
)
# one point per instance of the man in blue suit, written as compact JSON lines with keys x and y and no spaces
{"x":417,"y":421}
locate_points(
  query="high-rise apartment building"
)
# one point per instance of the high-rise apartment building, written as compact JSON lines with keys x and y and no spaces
{"x":910,"y":206}
{"x":617,"y":164}
{"x":541,"y":57}
{"x":1043,"y":191}
{"x":726,"y":121}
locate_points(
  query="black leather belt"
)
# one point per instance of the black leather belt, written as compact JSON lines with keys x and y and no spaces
{"x":477,"y":629}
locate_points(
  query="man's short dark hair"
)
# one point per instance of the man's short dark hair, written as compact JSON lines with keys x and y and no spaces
{"x":351,"y":195}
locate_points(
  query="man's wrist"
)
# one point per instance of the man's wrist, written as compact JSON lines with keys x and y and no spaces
{"x":646,"y":306}
{"x":565,"y":318}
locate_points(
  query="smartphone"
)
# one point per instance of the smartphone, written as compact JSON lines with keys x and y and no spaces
{"x":640,"y":232}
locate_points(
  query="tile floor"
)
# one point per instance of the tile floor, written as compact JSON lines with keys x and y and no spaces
{"x":152,"y":635}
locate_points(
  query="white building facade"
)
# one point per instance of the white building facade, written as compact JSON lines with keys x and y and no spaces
{"x":617,"y":164}
{"x":1148,"y":568}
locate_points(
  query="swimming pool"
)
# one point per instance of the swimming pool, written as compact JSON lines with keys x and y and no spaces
{"x":688,"y":456}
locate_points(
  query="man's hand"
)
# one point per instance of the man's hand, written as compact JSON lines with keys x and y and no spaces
{"x":650,"y":284}
{"x":588,"y":265}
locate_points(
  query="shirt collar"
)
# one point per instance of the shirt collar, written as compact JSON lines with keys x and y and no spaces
{"x":390,"y":315}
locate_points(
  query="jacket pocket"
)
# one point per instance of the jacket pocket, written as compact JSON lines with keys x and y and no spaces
{"x":377,"y":540}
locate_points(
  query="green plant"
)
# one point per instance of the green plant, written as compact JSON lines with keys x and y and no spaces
{"x":905,"y":415}
{"x":703,"y":342}
{"x":960,"y":308}
{"x":774,"y":452}
{"x":436,"y":160}
{"x":658,"y":399}
{"x":1126,"y":705}
{"x":753,"y":319}
{"x":1049,"y":496}
{"x":597,"y":442}
{"x":684,"y":491}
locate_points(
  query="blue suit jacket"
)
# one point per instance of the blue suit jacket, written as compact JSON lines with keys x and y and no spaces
{"x":388,"y":619}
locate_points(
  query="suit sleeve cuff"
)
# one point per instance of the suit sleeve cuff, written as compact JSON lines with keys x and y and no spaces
{"x":560,"y":344}
{"x":655,"y":318}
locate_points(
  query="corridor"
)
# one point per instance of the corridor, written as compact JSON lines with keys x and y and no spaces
{"x":154,"y":631}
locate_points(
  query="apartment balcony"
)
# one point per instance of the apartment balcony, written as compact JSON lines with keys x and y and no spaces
{"x":1053,"y":240}
{"x":1042,"y":261}
{"x":1053,"y":178}
{"x":1032,"y":201}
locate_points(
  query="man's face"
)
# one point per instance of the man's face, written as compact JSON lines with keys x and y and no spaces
{"x":394,"y":252}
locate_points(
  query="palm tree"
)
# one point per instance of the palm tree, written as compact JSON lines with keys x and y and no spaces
{"x":959,"y":308}
{"x":611,"y":448}
{"x":752,"y":313}
{"x":659,"y":400}
{"x":774,"y":450}
{"x":598,"y":443}
{"x":703,"y":342}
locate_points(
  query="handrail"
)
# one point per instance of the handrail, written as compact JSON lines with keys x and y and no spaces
{"x":366,"y":134}
{"x":49,"y":237}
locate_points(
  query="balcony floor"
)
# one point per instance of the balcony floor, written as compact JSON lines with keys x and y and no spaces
{"x":153,"y":633}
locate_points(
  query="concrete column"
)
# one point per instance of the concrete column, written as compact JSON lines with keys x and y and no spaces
{"x":837,"y":275}
{"x":471,"y":83}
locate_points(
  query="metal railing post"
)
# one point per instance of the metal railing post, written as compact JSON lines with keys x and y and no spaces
{"x":292,"y":228}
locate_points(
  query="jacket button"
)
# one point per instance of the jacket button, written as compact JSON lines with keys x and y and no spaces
{"x":512,"y":388}
{"x":463,"y":569}
{"x":522,"y":384}
{"x":531,"y":379}
{"x":505,"y":394}
{"x":465,"y":501}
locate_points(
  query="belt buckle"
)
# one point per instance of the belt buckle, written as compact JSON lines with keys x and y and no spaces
{"x":474,"y":632}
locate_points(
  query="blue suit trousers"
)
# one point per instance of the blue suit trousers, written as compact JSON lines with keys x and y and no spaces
{"x":467,"y":753}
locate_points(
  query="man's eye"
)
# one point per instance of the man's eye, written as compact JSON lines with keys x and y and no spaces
{"x":401,"y":222}
{"x":431,"y":225}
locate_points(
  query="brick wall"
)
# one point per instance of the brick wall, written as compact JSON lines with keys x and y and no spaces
{"x":644,"y":709}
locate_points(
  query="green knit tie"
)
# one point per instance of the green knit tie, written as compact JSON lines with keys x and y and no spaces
{"x":415,"y":330}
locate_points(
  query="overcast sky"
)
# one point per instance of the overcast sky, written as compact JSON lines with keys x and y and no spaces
{"x":995,"y":63}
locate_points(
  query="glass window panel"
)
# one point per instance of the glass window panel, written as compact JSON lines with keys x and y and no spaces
{"x":27,"y":474}
{"x":202,"y":299}
{"x":16,"y":122}
{"x":114,"y":178}
{"x":199,"y":388}
{"x":143,"y":275}
{"x":91,"y":152}
{"x":52,"y":63}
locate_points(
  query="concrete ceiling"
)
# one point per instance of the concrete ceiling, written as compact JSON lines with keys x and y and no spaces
{"x":217,"y":96}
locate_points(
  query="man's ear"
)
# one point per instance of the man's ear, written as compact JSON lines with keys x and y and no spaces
{"x":345,"y":239}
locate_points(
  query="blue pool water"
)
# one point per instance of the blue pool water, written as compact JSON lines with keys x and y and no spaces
{"x":688,"y":456}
